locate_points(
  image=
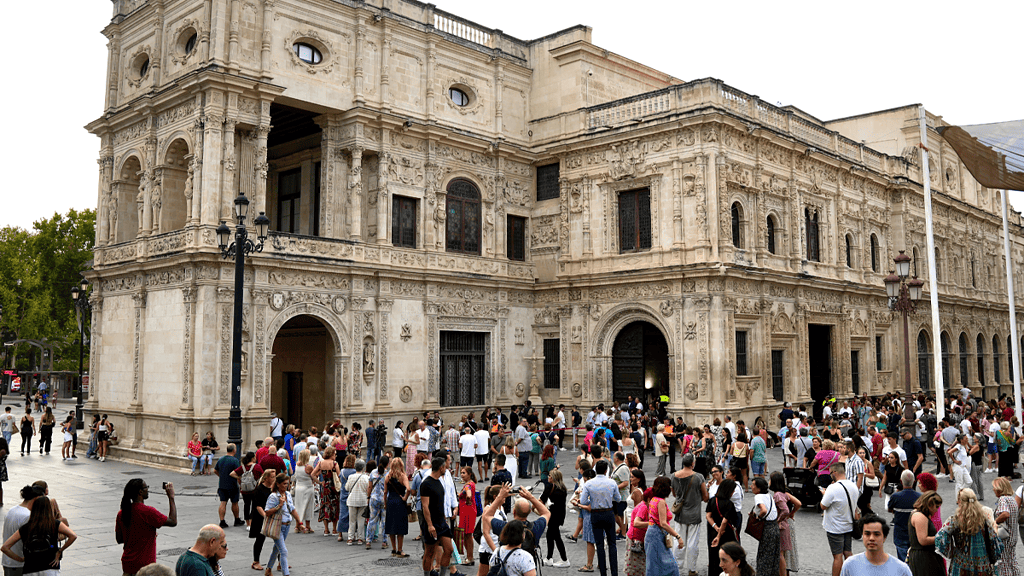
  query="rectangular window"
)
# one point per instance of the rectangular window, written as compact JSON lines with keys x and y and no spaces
{"x":516,"y":242}
{"x":635,"y":220}
{"x":547,"y":182}
{"x":741,"y":353}
{"x":552,"y":364}
{"x":289,"y":192}
{"x":403,"y":221}
{"x":878,"y":353}
{"x":462,"y":368}
{"x":778,"y":385}
{"x":855,"y":371}
{"x":315,"y":216}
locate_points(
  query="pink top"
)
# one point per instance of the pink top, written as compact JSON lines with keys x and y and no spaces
{"x":637,"y":533}
{"x":825,"y":459}
{"x":652,"y":511}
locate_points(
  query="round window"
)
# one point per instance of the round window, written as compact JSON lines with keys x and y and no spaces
{"x":459,"y":97}
{"x":190,"y":44}
{"x":308,"y":53}
{"x":144,"y":68}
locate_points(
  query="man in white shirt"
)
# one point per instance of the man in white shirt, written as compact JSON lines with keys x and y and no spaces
{"x":467,"y":451}
{"x":874,"y":560}
{"x":7,"y":424}
{"x":559,"y":424}
{"x":837,"y":502}
{"x":730,"y":427}
{"x":601,"y":418}
{"x":525,"y":445}
{"x":276,"y":427}
{"x":16,"y":518}
{"x":483,"y":460}
{"x":826,"y":412}
{"x":592,"y":416}
{"x":891,"y":446}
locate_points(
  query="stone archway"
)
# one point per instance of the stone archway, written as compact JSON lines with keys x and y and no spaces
{"x":639,"y":363}
{"x":171,"y":195}
{"x":601,"y":388}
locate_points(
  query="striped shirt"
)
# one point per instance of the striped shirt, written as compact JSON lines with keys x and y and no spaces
{"x":854,"y":466}
{"x":451,"y":439}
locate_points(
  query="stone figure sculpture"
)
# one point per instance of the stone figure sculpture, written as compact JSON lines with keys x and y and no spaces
{"x":368,"y":358}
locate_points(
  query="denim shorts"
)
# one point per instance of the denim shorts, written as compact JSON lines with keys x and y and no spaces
{"x":757,"y":468}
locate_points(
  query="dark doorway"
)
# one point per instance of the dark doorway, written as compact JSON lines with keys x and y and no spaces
{"x":819,"y":352}
{"x":293,"y":396}
{"x":639,"y":363}
{"x":302,"y":388}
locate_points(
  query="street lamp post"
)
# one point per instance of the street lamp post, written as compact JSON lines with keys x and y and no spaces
{"x":237,"y":250}
{"x":902,"y":295}
{"x":80,"y":297}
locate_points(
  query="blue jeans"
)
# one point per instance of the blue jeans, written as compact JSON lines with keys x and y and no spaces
{"x":196,"y":461}
{"x":901,"y":548}
{"x":604,"y":526}
{"x":524,"y":461}
{"x":7,"y":438}
{"x":280,"y":551}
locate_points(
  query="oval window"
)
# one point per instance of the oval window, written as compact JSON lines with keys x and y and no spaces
{"x":308,"y":53}
{"x":190,"y":44}
{"x":459,"y":97}
{"x":144,"y":68}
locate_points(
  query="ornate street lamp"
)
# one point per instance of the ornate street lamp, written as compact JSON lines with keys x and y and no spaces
{"x":80,"y":297}
{"x":902,"y":295}
{"x":237,"y":250}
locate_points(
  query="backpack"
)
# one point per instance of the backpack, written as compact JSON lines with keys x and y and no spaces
{"x":248,"y":479}
{"x":499,"y":568}
{"x":39,"y":545}
{"x":529,"y":542}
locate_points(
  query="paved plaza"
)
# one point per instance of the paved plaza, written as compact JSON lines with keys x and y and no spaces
{"x":89,"y":493}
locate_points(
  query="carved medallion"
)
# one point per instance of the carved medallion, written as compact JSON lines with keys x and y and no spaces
{"x":520,"y":389}
{"x":277,"y":300}
{"x":405,"y":394}
{"x":577,"y":389}
{"x":339,"y":304}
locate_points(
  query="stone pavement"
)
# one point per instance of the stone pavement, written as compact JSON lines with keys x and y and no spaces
{"x":89,"y":494}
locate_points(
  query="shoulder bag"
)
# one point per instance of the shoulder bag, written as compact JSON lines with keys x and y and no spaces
{"x":272,"y":526}
{"x":755,"y":523}
{"x":336,"y":478}
{"x":858,"y":525}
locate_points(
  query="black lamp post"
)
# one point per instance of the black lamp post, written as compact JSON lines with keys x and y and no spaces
{"x":80,"y":297}
{"x":902,"y":295}
{"x":237,"y":250}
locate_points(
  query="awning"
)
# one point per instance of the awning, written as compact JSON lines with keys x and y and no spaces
{"x":993,"y":153}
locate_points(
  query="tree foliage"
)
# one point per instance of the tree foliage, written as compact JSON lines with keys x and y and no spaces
{"x":38,"y":268}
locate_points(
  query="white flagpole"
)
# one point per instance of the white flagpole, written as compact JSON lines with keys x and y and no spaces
{"x":933,"y":283}
{"x":1014,"y":343}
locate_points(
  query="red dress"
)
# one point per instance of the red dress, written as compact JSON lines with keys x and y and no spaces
{"x":467,"y":509}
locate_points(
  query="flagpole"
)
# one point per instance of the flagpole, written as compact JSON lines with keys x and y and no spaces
{"x":1014,"y":343}
{"x":933,"y":283}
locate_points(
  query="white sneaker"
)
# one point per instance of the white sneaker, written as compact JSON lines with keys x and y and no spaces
{"x":545,"y":562}
{"x":561,"y":564}
{"x":940,"y":475}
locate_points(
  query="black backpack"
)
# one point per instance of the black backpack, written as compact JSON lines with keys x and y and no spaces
{"x":39,"y":545}
{"x":499,"y":568}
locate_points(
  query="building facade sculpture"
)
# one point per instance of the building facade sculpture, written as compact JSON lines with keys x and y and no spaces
{"x":479,"y":196}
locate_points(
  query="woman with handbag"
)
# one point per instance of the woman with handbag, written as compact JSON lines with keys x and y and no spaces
{"x":720,"y":513}
{"x":766,"y":513}
{"x":358,"y":486}
{"x":347,"y":470}
{"x":277,"y":519}
{"x":1006,"y":519}
{"x":891,"y":480}
{"x":788,"y":506}
{"x":967,"y":540}
{"x":660,"y":561}
{"x":259,"y":502}
{"x":636,"y":556}
{"x":396,"y":519}
{"x":823,"y":460}
{"x":871,"y":482}
{"x":324,"y":475}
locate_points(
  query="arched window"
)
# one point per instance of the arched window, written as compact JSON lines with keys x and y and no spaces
{"x":770,"y":240}
{"x":979,"y":344}
{"x":849,"y":250}
{"x":874,"y":253}
{"x":916,"y":269}
{"x":974,"y":277}
{"x":737,"y":225}
{"x":944,"y":342}
{"x":995,"y":359}
{"x":924,"y":361}
{"x":938,"y":266}
{"x":1009,"y":358}
{"x":811,"y":226}
{"x":462,"y":231}
{"x":964,"y":356}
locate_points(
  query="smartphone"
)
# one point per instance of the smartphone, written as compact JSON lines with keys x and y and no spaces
{"x":165,"y":486}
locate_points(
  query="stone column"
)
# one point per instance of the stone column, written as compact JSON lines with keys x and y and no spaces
{"x":332,"y":177}
{"x":499,"y":82}
{"x":677,"y":205}
{"x":188,"y":295}
{"x":431,"y":65}
{"x":104,"y":233}
{"x":195,"y":169}
{"x":146,"y":183}
{"x":211,"y":176}
{"x":268,"y":34}
{"x":264,"y":401}
{"x":383,"y":195}
{"x":156,"y":199}
{"x":385,"y":66}
{"x":340,"y":389}
{"x":154,"y":68}
{"x":262,"y":168}
{"x":95,"y":342}
{"x":229,"y":188}
{"x":357,"y":79}
{"x":233,"y":38}
{"x":113,"y":67}
{"x":133,"y":413}
{"x":355,"y":194}
{"x":204,"y":34}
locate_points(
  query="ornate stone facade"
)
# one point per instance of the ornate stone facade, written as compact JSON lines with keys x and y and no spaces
{"x":746,"y":218}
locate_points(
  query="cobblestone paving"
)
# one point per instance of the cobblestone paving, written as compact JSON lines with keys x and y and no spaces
{"x":89,"y":493}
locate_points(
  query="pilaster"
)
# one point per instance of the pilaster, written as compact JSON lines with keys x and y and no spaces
{"x":229,"y":167}
{"x":355,"y":194}
{"x":332,"y":177}
{"x":211,"y":158}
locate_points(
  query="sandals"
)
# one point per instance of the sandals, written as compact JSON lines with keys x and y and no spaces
{"x":367,"y":545}
{"x":586,"y":568}
{"x":400,"y":554}
{"x":256,"y":566}
{"x":384,"y":546}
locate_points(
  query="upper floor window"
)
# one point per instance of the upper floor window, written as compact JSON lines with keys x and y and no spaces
{"x":635,"y":220}
{"x":459,"y":97}
{"x":547,"y":181}
{"x":462,"y":230}
{"x":741,"y":352}
{"x":403,"y":221}
{"x":770,"y":240}
{"x":516,"y":246}
{"x":308,"y":53}
{"x":811,"y":226}
{"x":737,"y":225}
{"x":190,"y":43}
{"x":874,"y":253}
{"x":289,"y":197}
{"x":849,"y":251}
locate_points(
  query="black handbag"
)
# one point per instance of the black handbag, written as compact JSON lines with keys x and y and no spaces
{"x":858,"y":524}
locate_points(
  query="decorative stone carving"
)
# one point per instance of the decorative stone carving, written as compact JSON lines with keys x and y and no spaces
{"x":691,"y":390}
{"x":405,"y":394}
{"x":627,"y":159}
{"x":406,"y":333}
{"x":520,"y":336}
{"x":666,"y":308}
{"x":520,"y":390}
{"x":577,"y":390}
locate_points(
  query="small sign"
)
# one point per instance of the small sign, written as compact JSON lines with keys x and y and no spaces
{"x":85,"y":386}
{"x":16,"y":384}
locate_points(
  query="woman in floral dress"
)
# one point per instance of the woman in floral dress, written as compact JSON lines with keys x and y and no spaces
{"x":1006,"y":517}
{"x":788,"y":507}
{"x":966,"y":537}
{"x":324,"y":476}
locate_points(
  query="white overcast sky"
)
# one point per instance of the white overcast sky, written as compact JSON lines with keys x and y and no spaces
{"x":832,"y":59}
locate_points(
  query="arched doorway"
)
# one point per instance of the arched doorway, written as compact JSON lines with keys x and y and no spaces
{"x":639,"y":362}
{"x":125,"y":226}
{"x":169,"y":206}
{"x":302,"y":374}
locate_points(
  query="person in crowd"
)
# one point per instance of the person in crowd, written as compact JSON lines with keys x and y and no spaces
{"x":248,"y":476}
{"x":733,"y":560}
{"x":526,"y":504}
{"x":378,"y":503}
{"x":659,"y":557}
{"x":620,"y":475}
{"x":268,"y":480}
{"x":874,"y":559}
{"x":437,"y":534}
{"x":280,"y":502}
{"x":661,"y":450}
{"x":556,"y":493}
{"x":348,"y":468}
{"x":227,"y":486}
{"x":901,"y":505}
{"x":788,"y":506}
{"x":16,"y":518}
{"x":512,"y":458}
{"x":823,"y":460}
{"x":466,"y":513}
{"x":690,"y":493}
{"x":93,"y":442}
{"x":489,"y":541}
{"x":836,"y":501}
{"x":1006,"y":517}
{"x":323,"y":474}
{"x":396,"y":518}
{"x":104,"y":432}
{"x":547,"y":464}
{"x":871,"y":482}
{"x":721,"y":515}
{"x":210,"y":547}
{"x":922,"y":558}
{"x":967,"y":538}
{"x":959,"y":461}
{"x":358,"y":486}
{"x":510,"y":555}
{"x":740,"y":452}
{"x":304,"y":490}
{"x":768,"y":550}
{"x":1007,"y":443}
{"x":210,"y":448}
{"x":42,"y":550}
{"x":194,"y":451}
{"x":636,"y":555}
{"x":136,"y":524}
{"x":67,"y":429}
{"x":482,"y":453}
{"x":28,"y":428}
{"x":599,"y":496}
{"x":46,"y":425}
{"x":894,"y":470}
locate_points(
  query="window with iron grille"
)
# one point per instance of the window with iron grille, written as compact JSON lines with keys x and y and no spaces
{"x":635,"y":220}
{"x":289,"y":193}
{"x":874,"y":253}
{"x":462,"y":230}
{"x":737,"y":225}
{"x":964,"y":374}
{"x":516,"y":242}
{"x":462,"y":368}
{"x":980,"y":351}
{"x":778,"y":384}
{"x":403,"y":221}
{"x":924,"y":362}
{"x":849,"y":251}
{"x":741,"y":353}
{"x":771,"y":235}
{"x":547,"y":182}
{"x":552,"y":363}
{"x":995,"y":358}
{"x":811,"y":225}
{"x":878,"y":353}
{"x":855,"y":371}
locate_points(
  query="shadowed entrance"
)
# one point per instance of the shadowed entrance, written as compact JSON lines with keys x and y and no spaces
{"x":302,"y":381}
{"x":639,"y":362}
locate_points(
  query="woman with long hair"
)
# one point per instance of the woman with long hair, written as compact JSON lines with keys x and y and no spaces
{"x":660,"y":561}
{"x":46,"y":425}
{"x":323,"y":477}
{"x":375,"y":524}
{"x":466,"y":515}
{"x":739,"y":451}
{"x":733,"y":559}
{"x":891,"y":483}
{"x":1006,"y":516}
{"x":248,"y":465}
{"x":41,"y":536}
{"x":28,"y":428}
{"x":721,"y":515}
{"x":512,"y":456}
{"x":194,"y":451}
{"x":396,"y":519}
{"x":636,"y":556}
{"x":871,"y":481}
{"x":921,"y":557}
{"x":67,"y":433}
{"x":768,"y":550}
{"x":304,"y":490}
{"x":210,"y":448}
{"x":259,"y":502}
{"x":788,"y":505}
{"x":103,"y":432}
{"x":547,"y":464}
{"x":348,"y":468}
{"x":959,"y":461}
{"x":967,"y":538}
{"x":280,"y":502}
{"x":555,"y":492}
